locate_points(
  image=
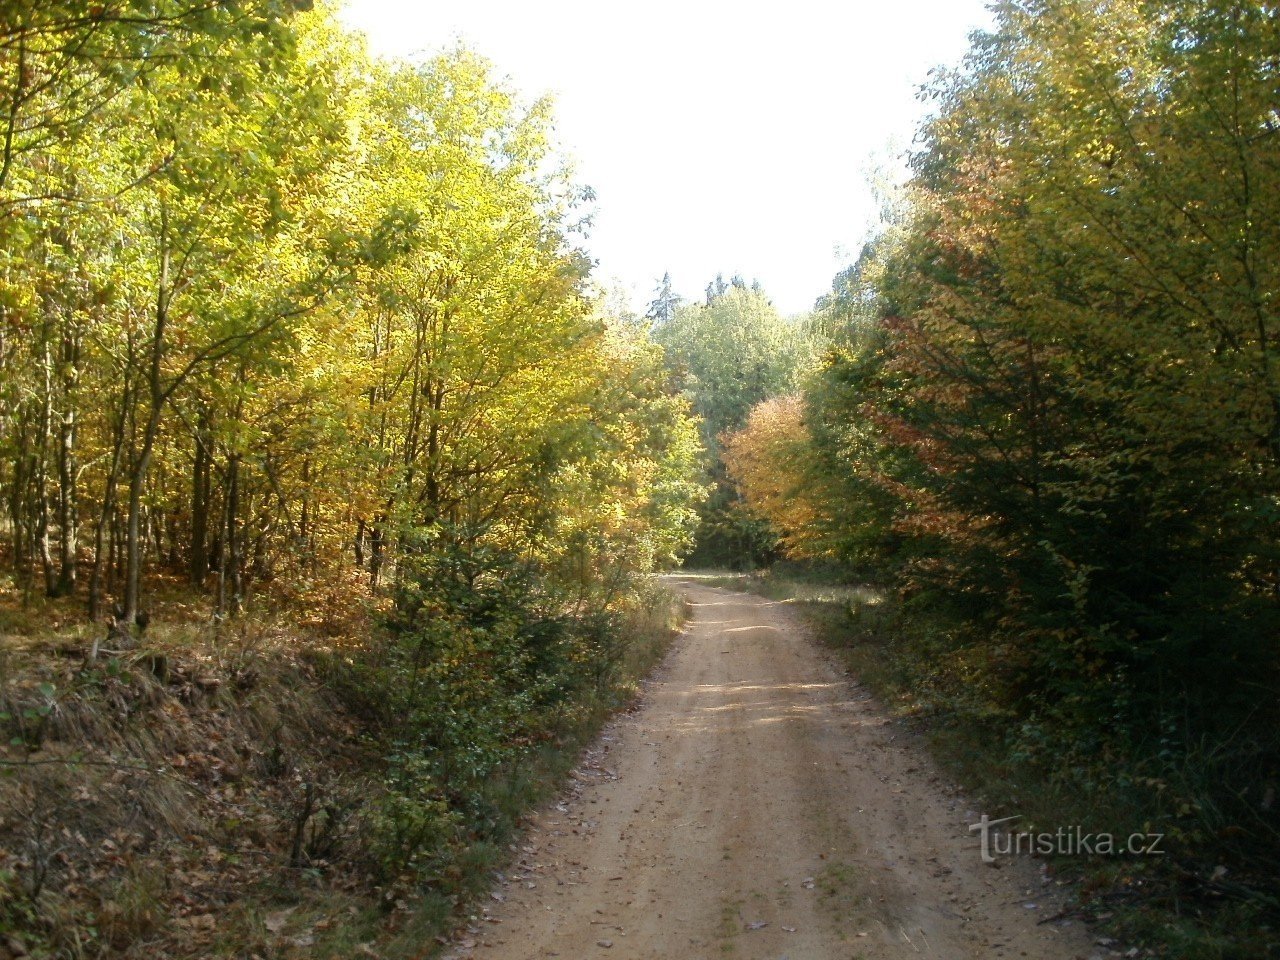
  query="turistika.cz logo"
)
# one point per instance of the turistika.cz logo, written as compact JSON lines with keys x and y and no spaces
{"x":1072,"y":841}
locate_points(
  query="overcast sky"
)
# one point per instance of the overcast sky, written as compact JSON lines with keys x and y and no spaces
{"x":719,"y":137}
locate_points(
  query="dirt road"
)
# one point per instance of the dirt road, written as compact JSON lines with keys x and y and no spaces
{"x":758,"y":804}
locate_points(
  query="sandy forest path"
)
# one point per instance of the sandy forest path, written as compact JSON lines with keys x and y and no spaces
{"x":758,"y":804}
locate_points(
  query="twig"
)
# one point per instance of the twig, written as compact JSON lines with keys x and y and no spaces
{"x":111,"y":764}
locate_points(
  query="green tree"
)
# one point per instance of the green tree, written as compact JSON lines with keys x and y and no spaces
{"x":728,"y":355}
{"x":662,"y":309}
{"x":1061,"y":379}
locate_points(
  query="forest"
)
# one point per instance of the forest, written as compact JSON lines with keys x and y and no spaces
{"x":335,"y":482}
{"x":296,"y":342}
{"x":1048,"y":422}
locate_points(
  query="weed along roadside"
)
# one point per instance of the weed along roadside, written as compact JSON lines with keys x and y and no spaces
{"x":1135,"y":870}
{"x":259,"y":795}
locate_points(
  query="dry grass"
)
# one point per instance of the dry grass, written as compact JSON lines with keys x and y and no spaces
{"x":150,"y":801}
{"x":146,"y":792}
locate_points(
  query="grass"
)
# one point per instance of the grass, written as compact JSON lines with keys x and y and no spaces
{"x":160,"y":789}
{"x":838,"y":884}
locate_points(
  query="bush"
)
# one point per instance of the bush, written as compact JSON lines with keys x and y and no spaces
{"x":485,"y":673}
{"x":414,"y":831}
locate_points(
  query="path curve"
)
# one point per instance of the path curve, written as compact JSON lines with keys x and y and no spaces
{"x":759,"y":804}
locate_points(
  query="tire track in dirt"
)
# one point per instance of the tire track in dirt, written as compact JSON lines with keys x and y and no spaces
{"x":759,"y":804}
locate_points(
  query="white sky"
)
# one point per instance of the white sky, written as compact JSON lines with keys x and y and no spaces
{"x":719,"y":137}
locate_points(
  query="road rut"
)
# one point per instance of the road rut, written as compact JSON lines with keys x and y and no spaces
{"x":759,"y":804}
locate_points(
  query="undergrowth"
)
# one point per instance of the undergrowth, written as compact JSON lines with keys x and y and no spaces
{"x":253,"y":788}
{"x":1213,"y":893}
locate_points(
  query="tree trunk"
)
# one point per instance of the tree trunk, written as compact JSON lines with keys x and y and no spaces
{"x":17,"y":503}
{"x":235,"y":536}
{"x":156,"y":397}
{"x":116,"y":570}
{"x":68,"y":470}
{"x":377,"y":539}
{"x":200,"y":490}
{"x":304,"y":519}
{"x":133,"y":530}
{"x":229,"y":560}
{"x":99,"y":536}
{"x":104,"y":532}
{"x":172,"y":541}
{"x":138,"y":475}
{"x":42,"y":538}
{"x":68,"y":467}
